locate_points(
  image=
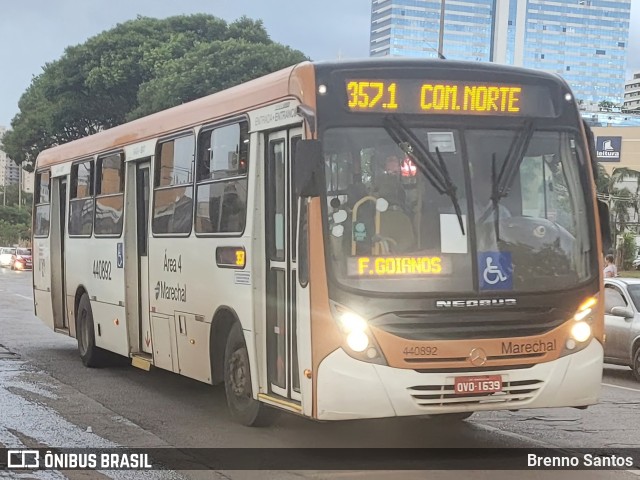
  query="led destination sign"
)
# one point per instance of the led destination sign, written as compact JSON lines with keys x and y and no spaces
{"x":448,"y":97}
{"x":397,"y":266}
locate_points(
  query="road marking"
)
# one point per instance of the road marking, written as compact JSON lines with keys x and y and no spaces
{"x":623,"y":388}
{"x":23,"y":296}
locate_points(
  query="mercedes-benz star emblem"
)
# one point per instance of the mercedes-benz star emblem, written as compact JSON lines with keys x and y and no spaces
{"x":477,"y":357}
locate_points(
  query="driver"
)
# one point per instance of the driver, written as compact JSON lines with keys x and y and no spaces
{"x":388,"y":181}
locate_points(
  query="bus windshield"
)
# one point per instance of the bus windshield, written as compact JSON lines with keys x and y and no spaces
{"x":391,"y":215}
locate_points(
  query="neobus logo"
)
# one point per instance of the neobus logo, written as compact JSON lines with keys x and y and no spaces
{"x":168,"y":292}
{"x":488,"y":302}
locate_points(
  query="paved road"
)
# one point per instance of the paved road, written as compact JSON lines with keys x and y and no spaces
{"x":47,"y":398}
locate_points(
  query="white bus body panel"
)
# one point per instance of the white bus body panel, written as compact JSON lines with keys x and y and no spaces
{"x":42,"y":281}
{"x":274,"y":117}
{"x":61,"y":170}
{"x":165,"y":352}
{"x":140,"y":150}
{"x":105,"y":288}
{"x":349,"y":388}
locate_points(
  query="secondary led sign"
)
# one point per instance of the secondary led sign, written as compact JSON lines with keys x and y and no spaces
{"x":397,"y":266}
{"x":231,"y":257}
{"x":448,"y":97}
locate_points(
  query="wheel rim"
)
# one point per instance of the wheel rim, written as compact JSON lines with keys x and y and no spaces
{"x":84,"y":333}
{"x":636,"y":364}
{"x":239,"y":381}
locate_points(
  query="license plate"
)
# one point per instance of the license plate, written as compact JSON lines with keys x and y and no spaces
{"x":479,"y":384}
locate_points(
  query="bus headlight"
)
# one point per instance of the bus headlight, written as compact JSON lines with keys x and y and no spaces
{"x":351,"y":322}
{"x":358,"y":338}
{"x":358,"y":341}
{"x":580,"y":329}
{"x":355,"y":327}
{"x":581,"y":332}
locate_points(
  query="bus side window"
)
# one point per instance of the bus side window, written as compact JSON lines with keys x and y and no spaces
{"x":81,"y":199}
{"x":41,"y":201}
{"x":109,"y":195}
{"x":173,"y":192}
{"x":221,"y":194}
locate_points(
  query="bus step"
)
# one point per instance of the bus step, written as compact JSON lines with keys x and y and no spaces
{"x":64,"y":330}
{"x":142,"y":362}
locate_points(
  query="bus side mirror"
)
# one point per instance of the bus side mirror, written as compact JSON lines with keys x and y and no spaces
{"x":308,"y":168}
{"x":605,"y":226}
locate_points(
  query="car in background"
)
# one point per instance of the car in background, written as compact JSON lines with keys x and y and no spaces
{"x":622,"y":323}
{"x":16,"y":258}
{"x":636,"y":263}
{"x":6,"y":256}
{"x":22,"y":259}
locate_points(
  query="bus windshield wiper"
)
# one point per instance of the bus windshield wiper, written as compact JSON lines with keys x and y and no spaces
{"x":435,"y":171}
{"x":502,"y":182}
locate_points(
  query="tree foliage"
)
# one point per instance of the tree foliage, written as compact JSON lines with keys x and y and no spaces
{"x":606,"y":105}
{"x":623,"y":203}
{"x":15,"y":225}
{"x":137,"y":68}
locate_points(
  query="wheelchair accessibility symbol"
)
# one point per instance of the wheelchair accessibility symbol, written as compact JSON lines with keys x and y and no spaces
{"x":492,"y":273}
{"x":495,"y":270}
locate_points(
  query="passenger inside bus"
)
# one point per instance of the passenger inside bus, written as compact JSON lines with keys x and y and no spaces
{"x":396,"y":228}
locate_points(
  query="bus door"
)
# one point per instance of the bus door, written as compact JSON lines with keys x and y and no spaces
{"x":142,"y":234}
{"x":57,"y":255}
{"x":281,"y":282}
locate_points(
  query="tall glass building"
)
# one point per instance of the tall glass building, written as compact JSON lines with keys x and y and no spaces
{"x":585,"y":41}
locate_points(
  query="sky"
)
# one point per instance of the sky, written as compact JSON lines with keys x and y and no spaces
{"x":36,"y":32}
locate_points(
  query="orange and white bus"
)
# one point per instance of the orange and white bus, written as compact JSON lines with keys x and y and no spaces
{"x":340,"y":240}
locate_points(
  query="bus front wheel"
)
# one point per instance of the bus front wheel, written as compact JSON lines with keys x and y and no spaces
{"x":237,"y":384}
{"x":91,"y":355}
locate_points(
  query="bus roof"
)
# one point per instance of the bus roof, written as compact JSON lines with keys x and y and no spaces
{"x":288,"y":82}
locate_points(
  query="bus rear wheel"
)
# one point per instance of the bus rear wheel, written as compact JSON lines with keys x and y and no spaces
{"x":91,"y":355}
{"x":237,"y":384}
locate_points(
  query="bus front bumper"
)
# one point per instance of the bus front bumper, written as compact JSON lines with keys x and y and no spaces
{"x":350,"y":389}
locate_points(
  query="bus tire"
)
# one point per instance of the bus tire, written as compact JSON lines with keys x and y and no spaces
{"x":244,"y":409}
{"x":91,"y":355}
{"x":635,"y":364}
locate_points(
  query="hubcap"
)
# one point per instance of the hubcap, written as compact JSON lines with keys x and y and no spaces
{"x":238,"y":375}
{"x":84,"y":333}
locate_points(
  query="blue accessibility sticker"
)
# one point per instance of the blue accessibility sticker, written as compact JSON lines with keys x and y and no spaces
{"x":495,"y":270}
{"x":120,"y":256}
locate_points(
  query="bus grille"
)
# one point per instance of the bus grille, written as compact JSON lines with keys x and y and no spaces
{"x":442,"y":395}
{"x":422,"y":326}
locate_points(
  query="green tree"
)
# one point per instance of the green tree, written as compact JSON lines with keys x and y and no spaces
{"x":14,"y":234}
{"x":606,"y":105}
{"x":208,"y":68}
{"x":14,"y":215}
{"x":628,"y":253}
{"x":10,"y":196}
{"x":621,"y":201}
{"x":100,"y":83}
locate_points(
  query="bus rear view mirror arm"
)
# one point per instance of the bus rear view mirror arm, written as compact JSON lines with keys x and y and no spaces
{"x":308,"y":173}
